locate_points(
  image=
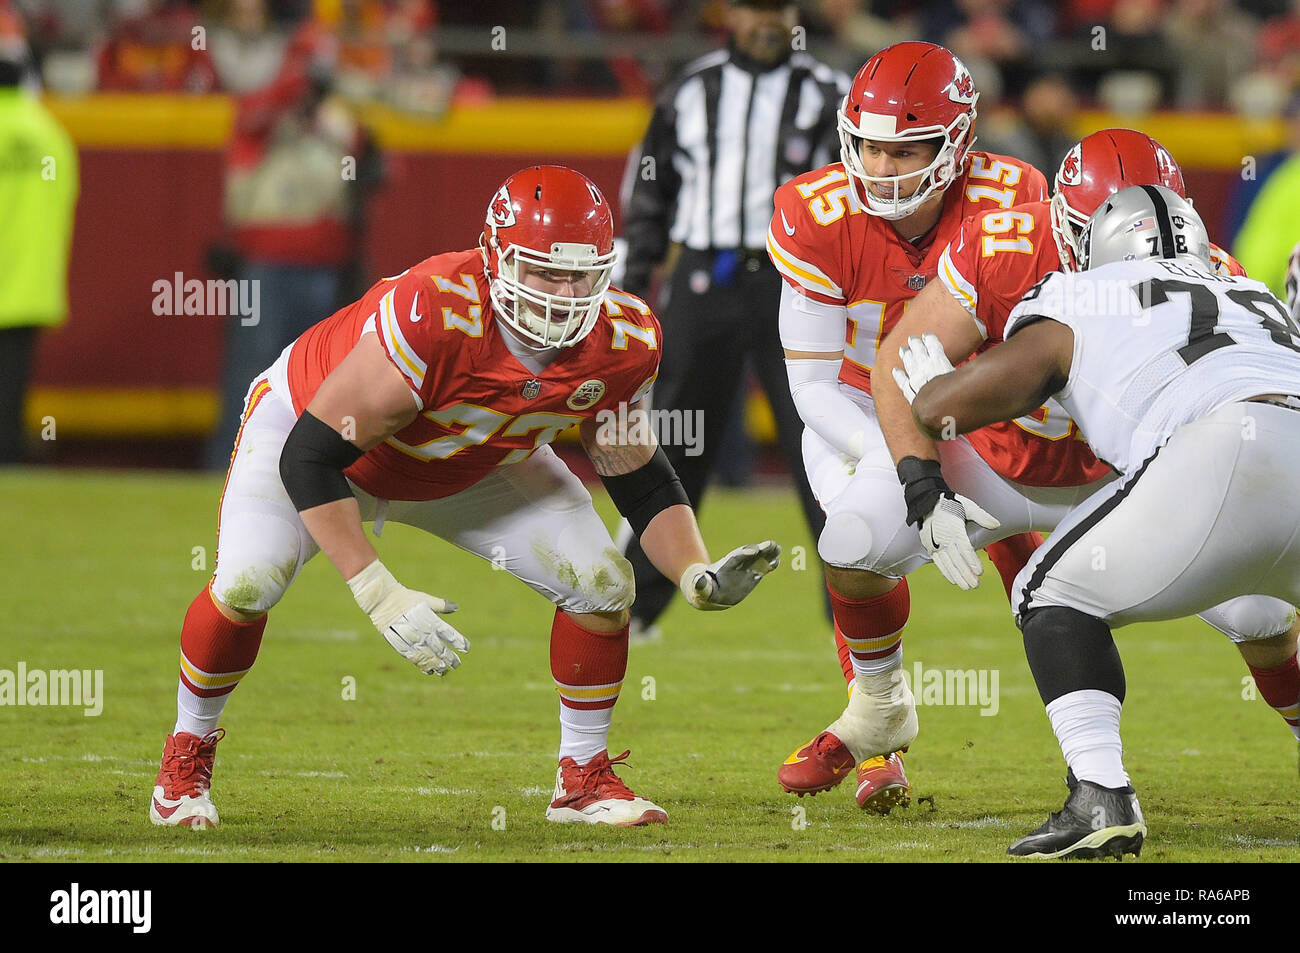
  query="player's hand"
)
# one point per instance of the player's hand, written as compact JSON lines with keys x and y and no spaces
{"x":923,"y":360}
{"x":409,"y":620}
{"x":944,"y":537}
{"x":731,"y":578}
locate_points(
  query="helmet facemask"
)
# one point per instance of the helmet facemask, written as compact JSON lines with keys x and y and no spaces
{"x":935,"y":177}
{"x":1067,"y":229}
{"x":540,"y":318}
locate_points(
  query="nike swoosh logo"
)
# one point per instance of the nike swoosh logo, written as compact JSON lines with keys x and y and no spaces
{"x":839,"y":770}
{"x":415,"y":314}
{"x":164,"y":811}
{"x":785,"y":223}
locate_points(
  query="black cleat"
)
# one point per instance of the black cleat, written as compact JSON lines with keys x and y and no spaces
{"x":1095,"y":822}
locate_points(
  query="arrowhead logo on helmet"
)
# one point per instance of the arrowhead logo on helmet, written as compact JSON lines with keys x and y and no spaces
{"x":1167,"y":168}
{"x":962,"y":88}
{"x":502,"y":210}
{"x":1071,"y":167}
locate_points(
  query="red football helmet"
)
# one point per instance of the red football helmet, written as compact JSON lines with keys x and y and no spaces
{"x":553,"y":219}
{"x":1098,"y":166}
{"x":908,"y":92}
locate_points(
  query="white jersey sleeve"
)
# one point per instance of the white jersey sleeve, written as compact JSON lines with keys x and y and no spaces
{"x":818,"y":328}
{"x":807,"y":324}
{"x":1158,"y":344}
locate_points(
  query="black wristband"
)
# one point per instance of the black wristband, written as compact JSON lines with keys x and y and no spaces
{"x":312,"y":463}
{"x":645,"y":492}
{"x":923,"y":487}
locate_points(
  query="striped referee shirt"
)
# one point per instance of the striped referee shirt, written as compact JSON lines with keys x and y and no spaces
{"x":723,"y":136}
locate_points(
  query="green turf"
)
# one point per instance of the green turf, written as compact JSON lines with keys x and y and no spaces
{"x":97,"y":573}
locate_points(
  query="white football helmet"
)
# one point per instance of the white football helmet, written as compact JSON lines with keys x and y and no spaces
{"x":1144,"y":221}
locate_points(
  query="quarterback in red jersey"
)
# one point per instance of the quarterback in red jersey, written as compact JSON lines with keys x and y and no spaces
{"x":856,"y":241}
{"x":992,"y":263}
{"x":432,"y":401}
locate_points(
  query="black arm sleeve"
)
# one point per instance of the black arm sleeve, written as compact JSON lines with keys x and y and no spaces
{"x":650,"y":187}
{"x":645,"y":492}
{"x":312,"y":463}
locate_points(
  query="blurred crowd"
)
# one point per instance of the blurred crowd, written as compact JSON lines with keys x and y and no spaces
{"x":1131,"y":55}
{"x":369,"y":49}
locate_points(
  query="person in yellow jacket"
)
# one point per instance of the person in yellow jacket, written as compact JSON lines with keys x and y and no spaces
{"x":1272,"y":225}
{"x":38,"y":191}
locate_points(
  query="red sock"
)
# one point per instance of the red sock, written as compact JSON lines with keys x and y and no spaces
{"x":588,"y":667}
{"x":870,"y":629}
{"x":1280,"y":689}
{"x":846,"y":658}
{"x":1010,"y":555}
{"x":215,"y":652}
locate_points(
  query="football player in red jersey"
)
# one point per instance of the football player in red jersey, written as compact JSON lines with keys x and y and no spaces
{"x":856,"y":241}
{"x":432,"y":401}
{"x":995,"y":259}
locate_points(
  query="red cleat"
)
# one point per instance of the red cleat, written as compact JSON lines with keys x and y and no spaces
{"x":593,"y":794}
{"x":818,"y":766}
{"x":882,"y":785}
{"x":180,"y":794}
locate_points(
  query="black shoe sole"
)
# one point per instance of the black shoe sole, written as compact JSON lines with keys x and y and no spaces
{"x":1095,"y":847}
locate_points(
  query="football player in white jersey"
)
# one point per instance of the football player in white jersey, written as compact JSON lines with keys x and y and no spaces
{"x":1188,"y":383}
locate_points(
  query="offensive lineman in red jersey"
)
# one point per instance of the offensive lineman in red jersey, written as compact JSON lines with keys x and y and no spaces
{"x":856,"y":241}
{"x":995,"y":259}
{"x":432,"y":401}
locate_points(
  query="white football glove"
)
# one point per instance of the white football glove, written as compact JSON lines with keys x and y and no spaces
{"x":731,"y":578}
{"x":923,"y":360}
{"x":943,"y":536}
{"x":409,"y":620}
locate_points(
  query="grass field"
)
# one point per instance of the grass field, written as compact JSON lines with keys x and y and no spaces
{"x":98,"y":568}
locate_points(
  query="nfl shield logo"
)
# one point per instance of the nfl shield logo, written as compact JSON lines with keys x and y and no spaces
{"x":531,"y":388}
{"x":916,"y":282}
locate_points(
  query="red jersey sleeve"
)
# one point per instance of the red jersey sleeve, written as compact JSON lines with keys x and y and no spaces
{"x":403,"y":322}
{"x":811,"y":210}
{"x":995,"y":258}
{"x":635,"y":341}
{"x":959,"y":269}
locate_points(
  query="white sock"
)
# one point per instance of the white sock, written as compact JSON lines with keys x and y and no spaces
{"x":584,"y":733}
{"x":876,"y":666}
{"x":1087,"y":726}
{"x":196,"y":714}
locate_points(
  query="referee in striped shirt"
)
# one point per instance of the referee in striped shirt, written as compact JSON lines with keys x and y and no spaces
{"x":697,"y":195}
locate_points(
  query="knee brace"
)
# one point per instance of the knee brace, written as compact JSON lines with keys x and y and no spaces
{"x":845,"y":540}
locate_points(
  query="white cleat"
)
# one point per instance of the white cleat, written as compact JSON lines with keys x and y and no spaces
{"x":593,"y":794}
